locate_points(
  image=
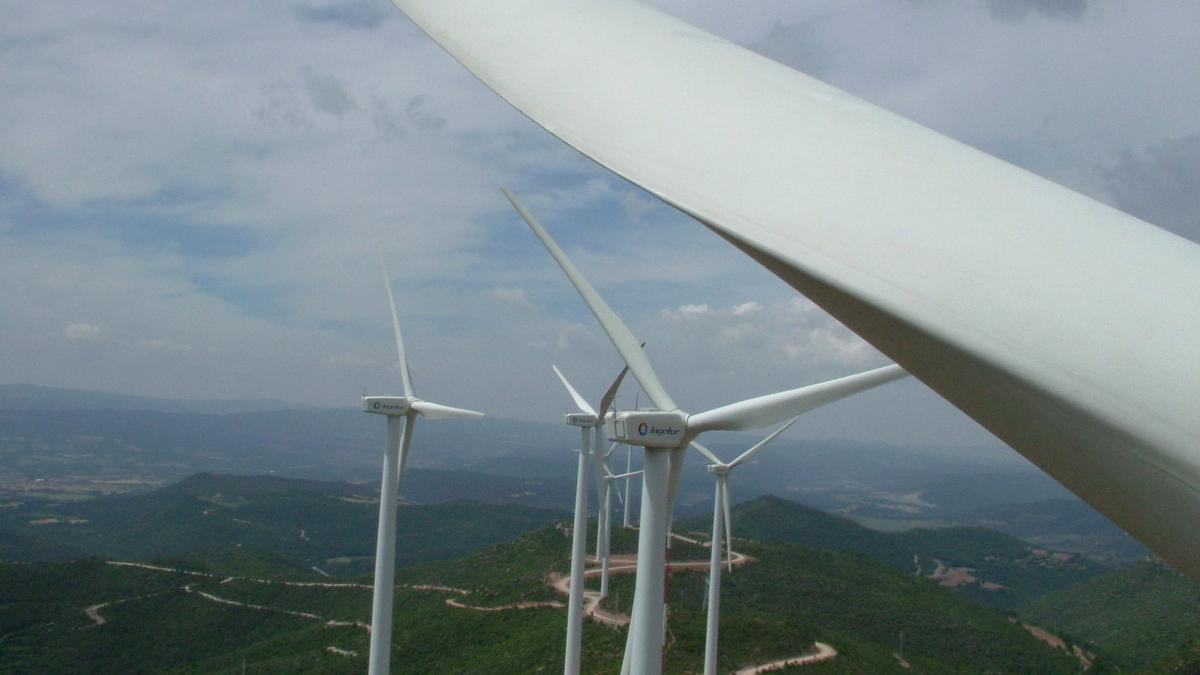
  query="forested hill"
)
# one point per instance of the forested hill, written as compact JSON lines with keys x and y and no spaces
{"x":988,"y":566}
{"x":490,"y":612}
{"x":1131,"y":616}
{"x":325,"y":524}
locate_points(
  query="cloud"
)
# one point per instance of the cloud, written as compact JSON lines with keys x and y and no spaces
{"x":420,"y":117}
{"x":795,"y":330}
{"x":244,"y":210}
{"x":1017,"y":10}
{"x":685,"y":312}
{"x":512,"y":296}
{"x":281,"y":106}
{"x":798,"y":45}
{"x":353,"y":15}
{"x":160,"y":344}
{"x":1160,"y":184}
{"x":328,"y":94}
{"x":385,"y":121}
{"x":636,"y":206}
{"x":81,"y":331}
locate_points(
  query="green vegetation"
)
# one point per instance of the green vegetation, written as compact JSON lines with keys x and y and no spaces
{"x":793,"y":595}
{"x":990,"y":567}
{"x":774,"y":608}
{"x":1130,"y":617}
{"x":251,"y":544}
{"x":309,"y":522}
{"x":21,"y":547}
{"x":1184,"y":660}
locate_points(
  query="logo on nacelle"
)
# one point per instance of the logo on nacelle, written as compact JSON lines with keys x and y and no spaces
{"x":643,"y":428}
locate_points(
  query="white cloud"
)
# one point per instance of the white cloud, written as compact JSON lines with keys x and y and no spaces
{"x":685,"y":312}
{"x":81,"y":331}
{"x":315,"y":136}
{"x":514,"y":296}
{"x":749,"y":307}
{"x":635,"y":206}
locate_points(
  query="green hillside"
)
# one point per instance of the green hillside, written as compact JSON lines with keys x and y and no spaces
{"x":988,"y":566}
{"x":19,"y":547}
{"x":1131,"y":616}
{"x":326,"y":524}
{"x":170,"y":621}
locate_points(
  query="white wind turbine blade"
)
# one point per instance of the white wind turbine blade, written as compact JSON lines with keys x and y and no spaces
{"x":597,"y":450}
{"x":435,"y":411}
{"x":1088,"y":373}
{"x":580,"y":401}
{"x":404,"y":375}
{"x":627,"y":345}
{"x":607,"y":400}
{"x":629,"y":474}
{"x":610,"y":450}
{"x":772,"y":408}
{"x":728,"y":520}
{"x":707,"y":453}
{"x":745,"y":456}
{"x":674,"y":473}
{"x":410,"y":422}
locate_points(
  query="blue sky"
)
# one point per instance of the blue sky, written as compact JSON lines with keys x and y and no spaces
{"x":193,"y":198}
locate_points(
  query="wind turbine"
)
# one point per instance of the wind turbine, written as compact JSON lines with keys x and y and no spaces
{"x":721,"y":471}
{"x":605,"y":548}
{"x":588,"y":420}
{"x":665,"y":433}
{"x":398,"y":409}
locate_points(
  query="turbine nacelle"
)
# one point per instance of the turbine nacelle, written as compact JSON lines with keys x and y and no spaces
{"x":647,"y":428}
{"x":581,"y":419}
{"x":392,"y":406}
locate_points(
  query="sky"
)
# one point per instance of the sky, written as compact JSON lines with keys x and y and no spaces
{"x":195,"y":199}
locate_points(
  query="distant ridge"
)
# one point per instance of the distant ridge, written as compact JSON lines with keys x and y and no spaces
{"x":988,"y":566}
{"x":37,"y":397}
{"x":309,"y":522}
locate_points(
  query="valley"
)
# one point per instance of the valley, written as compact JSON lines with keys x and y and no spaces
{"x":121,"y":556}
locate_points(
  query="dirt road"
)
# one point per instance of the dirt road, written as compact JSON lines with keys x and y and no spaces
{"x":822,"y":652}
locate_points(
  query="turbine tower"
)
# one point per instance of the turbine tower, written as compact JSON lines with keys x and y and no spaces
{"x":625,"y":506}
{"x":721,"y":502}
{"x":398,"y":409}
{"x":665,"y":433}
{"x":610,"y":488}
{"x":587,"y":419}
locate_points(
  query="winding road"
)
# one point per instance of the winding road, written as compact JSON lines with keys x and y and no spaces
{"x":821,"y":652}
{"x":618,"y":564}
